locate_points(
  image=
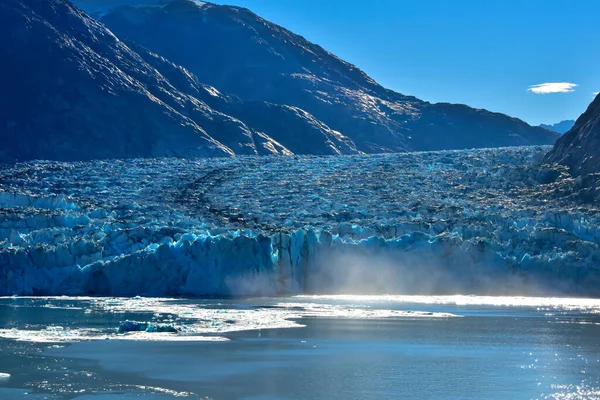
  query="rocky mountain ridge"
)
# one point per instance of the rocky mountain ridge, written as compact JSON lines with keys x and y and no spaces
{"x":241,"y":54}
{"x":75,"y":90}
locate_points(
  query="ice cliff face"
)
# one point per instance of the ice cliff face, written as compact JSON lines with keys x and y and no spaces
{"x":240,"y":53}
{"x":486,"y":221}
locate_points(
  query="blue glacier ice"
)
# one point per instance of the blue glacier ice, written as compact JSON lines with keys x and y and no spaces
{"x":480,"y":221}
{"x":134,"y":326}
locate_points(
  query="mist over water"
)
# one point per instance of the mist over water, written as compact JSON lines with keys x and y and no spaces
{"x":387,"y":270}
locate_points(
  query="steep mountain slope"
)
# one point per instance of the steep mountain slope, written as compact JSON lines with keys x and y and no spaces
{"x":72,"y":90}
{"x":579,"y":148}
{"x":240,"y":53}
{"x":560,"y":127}
{"x":298,"y":130}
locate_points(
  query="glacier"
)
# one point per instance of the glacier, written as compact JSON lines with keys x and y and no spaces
{"x":487,"y":221}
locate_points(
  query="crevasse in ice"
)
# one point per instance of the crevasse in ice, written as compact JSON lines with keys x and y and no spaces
{"x":481,"y":221}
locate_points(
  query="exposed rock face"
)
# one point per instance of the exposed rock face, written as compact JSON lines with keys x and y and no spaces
{"x":579,"y":149}
{"x":240,"y":53}
{"x":560,"y":127}
{"x":73,"y":91}
{"x":298,"y":130}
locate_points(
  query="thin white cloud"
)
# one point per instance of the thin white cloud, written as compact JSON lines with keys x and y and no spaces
{"x":553,"y":87}
{"x":595,"y":93}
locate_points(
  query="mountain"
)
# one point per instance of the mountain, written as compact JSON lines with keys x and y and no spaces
{"x":579,"y":149}
{"x":72,"y":90}
{"x":560,"y":127}
{"x":298,"y":130}
{"x":239,"y":53}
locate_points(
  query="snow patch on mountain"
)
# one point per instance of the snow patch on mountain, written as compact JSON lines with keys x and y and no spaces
{"x":212,"y":91}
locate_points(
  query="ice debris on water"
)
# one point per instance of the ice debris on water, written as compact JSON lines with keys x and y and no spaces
{"x":133,"y":326}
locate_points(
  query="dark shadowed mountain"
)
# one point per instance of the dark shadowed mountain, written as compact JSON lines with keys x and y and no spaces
{"x":72,"y":90}
{"x":239,"y":53}
{"x":560,"y":127}
{"x":579,"y":148}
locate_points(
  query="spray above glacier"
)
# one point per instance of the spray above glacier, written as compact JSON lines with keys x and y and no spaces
{"x":481,"y":221}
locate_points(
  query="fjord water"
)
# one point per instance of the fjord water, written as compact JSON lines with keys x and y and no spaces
{"x":336,"y":347}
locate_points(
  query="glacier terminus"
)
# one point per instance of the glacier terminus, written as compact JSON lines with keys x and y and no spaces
{"x":491,"y":221}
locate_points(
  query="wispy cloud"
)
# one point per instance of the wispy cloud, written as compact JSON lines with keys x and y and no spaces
{"x":553,"y":87}
{"x":595,"y":93}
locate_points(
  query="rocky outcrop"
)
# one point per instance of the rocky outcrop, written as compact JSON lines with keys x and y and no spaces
{"x":579,"y":148}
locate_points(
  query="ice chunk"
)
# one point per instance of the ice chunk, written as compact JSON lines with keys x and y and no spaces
{"x":133,"y":326}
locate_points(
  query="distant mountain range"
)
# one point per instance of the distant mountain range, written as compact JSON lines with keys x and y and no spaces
{"x":560,"y":127}
{"x":187,"y":78}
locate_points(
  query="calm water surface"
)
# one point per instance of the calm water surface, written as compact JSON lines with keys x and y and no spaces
{"x":476,"y":349}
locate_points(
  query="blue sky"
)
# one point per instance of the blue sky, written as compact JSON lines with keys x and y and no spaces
{"x":484,"y":53}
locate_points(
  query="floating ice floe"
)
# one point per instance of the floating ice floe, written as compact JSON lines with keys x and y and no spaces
{"x":134,"y":326}
{"x":186,"y":320}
